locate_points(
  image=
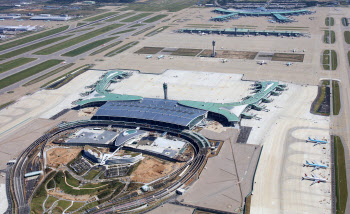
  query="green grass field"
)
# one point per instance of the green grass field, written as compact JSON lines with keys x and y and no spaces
{"x":76,"y":40}
{"x":75,"y":206}
{"x":152,"y":33}
{"x":32,"y":38}
{"x":326,"y":60}
{"x":336,"y":97}
{"x":40,"y":196}
{"x":65,"y":78}
{"x":158,"y":5}
{"x":50,"y":201}
{"x":340,"y":176}
{"x":321,"y":99}
{"x":47,"y":75}
{"x":101,"y":16}
{"x":143,"y":30}
{"x":155,"y":18}
{"x":347,"y":37}
{"x":105,"y":48}
{"x":121,"y":49}
{"x":329,"y":22}
{"x":87,"y":47}
{"x":122,"y":16}
{"x":326,"y":36}
{"x":71,"y":180}
{"x":7,"y":104}
{"x":14,"y":63}
{"x":7,"y":81}
{"x":136,"y":17}
{"x":91,"y":174}
{"x":32,"y":47}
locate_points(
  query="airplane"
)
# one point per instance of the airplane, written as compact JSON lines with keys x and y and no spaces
{"x":161,"y":56}
{"x":314,"y":178}
{"x":289,"y":64}
{"x":316,"y":141}
{"x":262,"y":62}
{"x":294,"y":50}
{"x":224,"y":60}
{"x":149,"y":56}
{"x":315,"y":165}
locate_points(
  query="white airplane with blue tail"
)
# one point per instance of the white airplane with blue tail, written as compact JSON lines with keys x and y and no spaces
{"x":149,"y":56}
{"x":316,"y":141}
{"x":315,"y":165}
{"x":161,"y":57}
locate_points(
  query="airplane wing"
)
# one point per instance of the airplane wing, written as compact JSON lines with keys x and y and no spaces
{"x":315,"y":162}
{"x":316,"y":167}
{"x":315,"y":181}
{"x":317,"y":143}
{"x":315,"y":176}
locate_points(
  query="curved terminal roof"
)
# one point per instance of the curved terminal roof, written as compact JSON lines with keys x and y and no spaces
{"x":232,"y":111}
{"x":101,"y":93}
{"x":278,"y":14}
{"x":167,"y":111}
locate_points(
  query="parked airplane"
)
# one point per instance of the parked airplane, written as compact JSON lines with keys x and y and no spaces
{"x":262,"y":62}
{"x":315,"y":165}
{"x":161,"y":56}
{"x":289,"y":64}
{"x":316,"y":141}
{"x":314,"y":178}
{"x":224,"y":60}
{"x":149,"y":56}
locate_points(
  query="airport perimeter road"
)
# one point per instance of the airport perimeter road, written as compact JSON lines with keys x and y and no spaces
{"x":57,"y":55}
{"x":341,"y":123}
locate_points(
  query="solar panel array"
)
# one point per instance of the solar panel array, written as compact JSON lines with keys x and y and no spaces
{"x":168,"y":111}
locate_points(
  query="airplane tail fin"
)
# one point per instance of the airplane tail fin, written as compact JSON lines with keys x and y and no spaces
{"x":307,"y":162}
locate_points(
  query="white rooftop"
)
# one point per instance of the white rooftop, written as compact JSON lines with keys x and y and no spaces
{"x":185,"y":85}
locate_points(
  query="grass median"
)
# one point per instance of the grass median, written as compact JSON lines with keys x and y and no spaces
{"x":341,"y":187}
{"x":105,"y":48}
{"x":136,"y":17}
{"x":329,"y":37}
{"x":121,"y":49}
{"x":119,"y":17}
{"x":47,"y":75}
{"x":336,"y":97}
{"x":76,"y":40}
{"x":158,"y":5}
{"x":101,"y":16}
{"x":326,"y":60}
{"x":329,"y":21}
{"x":7,"y":81}
{"x":155,"y":18}
{"x":88,"y":47}
{"x":32,"y":47}
{"x":14,"y":64}
{"x":32,"y":38}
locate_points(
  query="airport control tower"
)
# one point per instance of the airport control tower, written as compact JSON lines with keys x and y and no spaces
{"x":213,"y":54}
{"x":165,"y":87}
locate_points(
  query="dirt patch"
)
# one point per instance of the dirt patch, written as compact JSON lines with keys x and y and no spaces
{"x":186,"y":52}
{"x":236,"y":54}
{"x":59,"y":156}
{"x":149,"y":50}
{"x":87,"y":112}
{"x":288,"y":57}
{"x":151,"y":169}
{"x":60,"y":194}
